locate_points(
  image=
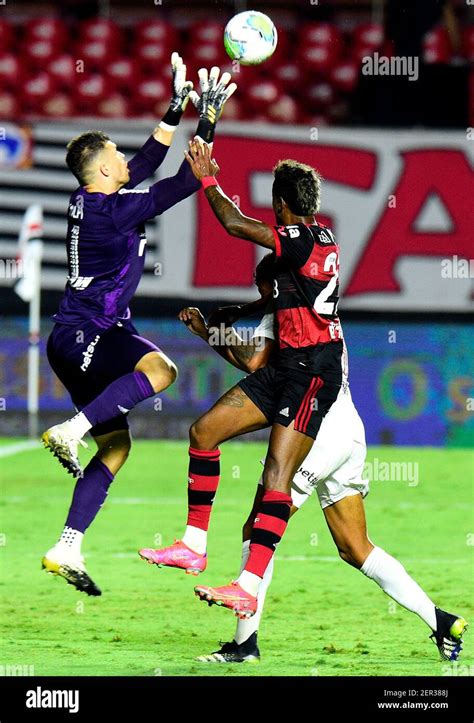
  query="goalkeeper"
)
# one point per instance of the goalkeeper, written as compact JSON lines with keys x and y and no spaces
{"x":94,"y":348}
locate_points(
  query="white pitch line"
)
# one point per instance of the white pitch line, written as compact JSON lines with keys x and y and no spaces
{"x":10,"y":449}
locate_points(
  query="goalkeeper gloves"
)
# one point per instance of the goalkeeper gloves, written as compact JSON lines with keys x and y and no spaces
{"x":181,"y":89}
{"x":210,"y":104}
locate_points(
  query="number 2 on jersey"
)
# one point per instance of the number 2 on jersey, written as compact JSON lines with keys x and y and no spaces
{"x":321,"y":304}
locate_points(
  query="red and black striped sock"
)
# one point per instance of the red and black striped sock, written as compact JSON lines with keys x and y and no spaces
{"x":203,"y":480}
{"x":268,"y":529}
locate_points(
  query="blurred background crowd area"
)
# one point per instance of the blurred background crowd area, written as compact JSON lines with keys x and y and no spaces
{"x":111,"y":59}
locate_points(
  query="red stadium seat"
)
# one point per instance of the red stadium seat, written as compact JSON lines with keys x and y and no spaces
{"x":319,"y":59}
{"x":89,"y":91}
{"x":206,"y":55}
{"x":64,"y":70}
{"x":205,"y":31}
{"x":123,"y":73}
{"x":11,"y":71}
{"x":6,"y":35}
{"x":284,"y":110}
{"x":100,"y":30}
{"x":155,"y":31}
{"x":38,"y":53}
{"x":437,"y":46}
{"x":233,"y":109}
{"x":369,"y":35}
{"x":114,"y":105}
{"x":36,"y":90}
{"x":95,"y":54}
{"x":152,"y":57}
{"x":364,"y":51}
{"x":290,"y":75}
{"x":9,"y":106}
{"x":344,"y":76}
{"x":323,"y":34}
{"x":58,"y":105}
{"x":319,"y":95}
{"x":51,"y":29}
{"x":261,"y":94}
{"x":148,"y":93}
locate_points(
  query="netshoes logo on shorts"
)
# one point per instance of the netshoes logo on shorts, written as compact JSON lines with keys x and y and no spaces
{"x":87,"y":354}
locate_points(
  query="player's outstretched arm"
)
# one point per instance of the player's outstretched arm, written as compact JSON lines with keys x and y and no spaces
{"x":181,"y":89}
{"x":215,"y":93}
{"x":205,"y":169}
{"x":152,"y":154}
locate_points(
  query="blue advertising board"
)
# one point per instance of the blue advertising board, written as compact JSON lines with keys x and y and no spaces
{"x":413,"y":383}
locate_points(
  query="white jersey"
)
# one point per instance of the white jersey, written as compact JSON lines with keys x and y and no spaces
{"x":335,"y":463}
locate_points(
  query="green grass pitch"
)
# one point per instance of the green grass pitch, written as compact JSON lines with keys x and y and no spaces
{"x":322,"y":617}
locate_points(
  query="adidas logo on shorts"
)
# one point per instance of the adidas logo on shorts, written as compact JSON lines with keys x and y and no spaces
{"x":285,"y":412}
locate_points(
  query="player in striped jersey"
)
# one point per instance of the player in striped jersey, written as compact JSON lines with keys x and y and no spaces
{"x":334,"y":470}
{"x":292,"y":393}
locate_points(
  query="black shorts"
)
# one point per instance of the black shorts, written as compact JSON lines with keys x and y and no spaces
{"x":285,"y":393}
{"x":87,"y":361}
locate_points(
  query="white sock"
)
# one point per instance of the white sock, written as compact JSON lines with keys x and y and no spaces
{"x":195,"y":538}
{"x":394,"y":580}
{"x":245,"y":628}
{"x":72,"y":539}
{"x":78,"y":425}
{"x":250,"y":582}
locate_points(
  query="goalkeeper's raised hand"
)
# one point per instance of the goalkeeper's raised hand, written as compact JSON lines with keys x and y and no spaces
{"x":181,"y":89}
{"x":210,"y":104}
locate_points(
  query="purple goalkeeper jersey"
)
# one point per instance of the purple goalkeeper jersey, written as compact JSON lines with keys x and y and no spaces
{"x":106,"y":240}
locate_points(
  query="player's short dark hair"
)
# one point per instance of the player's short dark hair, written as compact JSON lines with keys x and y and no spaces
{"x":82,"y":150}
{"x":265,"y":269}
{"x":299,"y":185}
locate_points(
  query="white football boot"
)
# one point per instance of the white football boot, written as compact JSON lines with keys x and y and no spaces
{"x":63,"y":444}
{"x":63,"y":561}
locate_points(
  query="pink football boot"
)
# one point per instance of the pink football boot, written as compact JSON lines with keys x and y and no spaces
{"x":232,"y":596}
{"x":177,"y":555}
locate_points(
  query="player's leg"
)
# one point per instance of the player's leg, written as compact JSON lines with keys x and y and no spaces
{"x":244,"y":648}
{"x":301,"y":402}
{"x":135,"y":368}
{"x":347,"y":524}
{"x":287,"y":449}
{"x":65,"y":557}
{"x":232,"y":415}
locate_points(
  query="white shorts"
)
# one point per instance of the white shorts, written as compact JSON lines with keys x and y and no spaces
{"x":335,"y":463}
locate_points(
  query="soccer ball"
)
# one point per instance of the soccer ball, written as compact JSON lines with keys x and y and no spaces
{"x":250,"y":37}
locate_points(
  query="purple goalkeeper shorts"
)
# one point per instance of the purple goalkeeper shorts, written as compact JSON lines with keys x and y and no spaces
{"x":87,"y":360}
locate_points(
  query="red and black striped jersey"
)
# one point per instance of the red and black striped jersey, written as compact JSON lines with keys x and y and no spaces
{"x":307,"y":272}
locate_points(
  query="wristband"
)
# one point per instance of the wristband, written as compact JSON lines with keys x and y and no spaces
{"x":165,"y":127}
{"x":208,"y":181}
{"x":206,"y":130}
{"x":172,"y":117}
